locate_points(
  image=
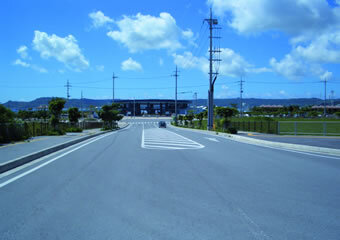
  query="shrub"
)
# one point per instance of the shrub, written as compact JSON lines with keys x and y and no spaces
{"x":74,"y":129}
{"x":57,"y":132}
{"x":231,"y":130}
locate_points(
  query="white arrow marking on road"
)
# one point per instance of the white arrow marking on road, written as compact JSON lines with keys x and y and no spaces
{"x":212,"y":139}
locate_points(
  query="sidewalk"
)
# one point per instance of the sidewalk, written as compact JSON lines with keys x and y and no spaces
{"x":12,"y":151}
{"x":273,"y":144}
{"x":316,"y":141}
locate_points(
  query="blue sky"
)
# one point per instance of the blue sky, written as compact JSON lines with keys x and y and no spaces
{"x":282,"y":49}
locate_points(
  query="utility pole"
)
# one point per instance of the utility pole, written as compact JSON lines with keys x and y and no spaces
{"x":325,"y":100}
{"x":195,"y":99}
{"x":81,"y":105}
{"x":241,"y":96}
{"x":113,"y":87}
{"x":68,"y":86}
{"x":81,"y":108}
{"x":134,"y":107}
{"x":212,"y":75}
{"x":331,"y":97}
{"x":176,"y":76}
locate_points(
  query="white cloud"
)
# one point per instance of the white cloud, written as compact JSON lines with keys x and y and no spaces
{"x":99,"y":19}
{"x":39,"y":69}
{"x":322,"y":49}
{"x":188,"y":34}
{"x":65,"y":50}
{"x":224,"y":87}
{"x":290,"y":16}
{"x":21,"y":63}
{"x":326,"y":76}
{"x":313,"y":25}
{"x":22,"y":51}
{"x":187,"y":60}
{"x":131,"y":65}
{"x":100,"y":68}
{"x":232,"y":64}
{"x":145,"y":32}
{"x":289,"y":66}
{"x":282,"y":92}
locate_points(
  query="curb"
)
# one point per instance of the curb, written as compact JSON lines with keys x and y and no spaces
{"x":264,"y":143}
{"x":4,"y":167}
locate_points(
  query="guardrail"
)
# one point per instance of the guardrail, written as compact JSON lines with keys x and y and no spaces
{"x":323,"y":128}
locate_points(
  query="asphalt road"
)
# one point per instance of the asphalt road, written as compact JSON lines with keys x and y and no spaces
{"x":148,"y":183}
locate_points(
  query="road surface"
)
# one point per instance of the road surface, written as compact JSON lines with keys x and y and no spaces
{"x":143,"y":182}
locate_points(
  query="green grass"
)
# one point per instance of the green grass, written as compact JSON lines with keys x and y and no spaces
{"x":310,"y":128}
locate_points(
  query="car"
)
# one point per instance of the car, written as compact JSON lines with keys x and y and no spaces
{"x":162,"y":124}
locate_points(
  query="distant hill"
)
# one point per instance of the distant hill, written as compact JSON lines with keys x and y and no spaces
{"x":249,"y":102}
{"x":20,"y":105}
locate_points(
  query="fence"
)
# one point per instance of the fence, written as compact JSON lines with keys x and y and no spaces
{"x":326,"y":128}
{"x":256,"y":126}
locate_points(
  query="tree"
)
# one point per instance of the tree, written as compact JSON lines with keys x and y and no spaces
{"x":55,"y":106}
{"x":200,"y":117}
{"x":73,"y":115}
{"x":109,"y":114}
{"x":190,"y":117}
{"x":25,"y":115}
{"x":42,"y":114}
{"x":225,"y":113}
{"x":6,"y":115}
{"x":180,"y":118}
{"x":233,"y":105}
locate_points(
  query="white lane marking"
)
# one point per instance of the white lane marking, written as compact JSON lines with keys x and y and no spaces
{"x":212,"y":139}
{"x":50,"y":161}
{"x":157,"y":138}
{"x":142,"y":143}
